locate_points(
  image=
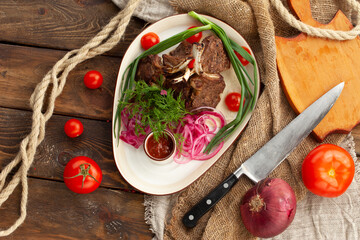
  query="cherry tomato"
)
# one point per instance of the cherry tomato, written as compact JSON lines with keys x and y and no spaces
{"x":82,"y":175}
{"x":93,"y":79}
{"x":191,"y":64}
{"x":149,"y":39}
{"x":194,"y":38}
{"x":73,"y":128}
{"x":232,"y":101}
{"x":328,"y":170}
{"x":243,"y":60}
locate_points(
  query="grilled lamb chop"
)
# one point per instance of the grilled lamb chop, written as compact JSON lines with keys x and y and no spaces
{"x":205,"y":90}
{"x":149,"y":69}
{"x":181,"y":87}
{"x":213,"y":58}
{"x":200,"y":86}
{"x":178,"y":59}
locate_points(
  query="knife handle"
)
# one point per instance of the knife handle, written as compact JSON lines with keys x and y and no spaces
{"x":203,"y":206}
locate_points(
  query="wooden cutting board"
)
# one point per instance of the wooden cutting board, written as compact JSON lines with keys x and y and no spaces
{"x":310,"y":66}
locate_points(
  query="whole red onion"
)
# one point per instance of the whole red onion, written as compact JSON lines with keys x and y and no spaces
{"x":268,"y":208}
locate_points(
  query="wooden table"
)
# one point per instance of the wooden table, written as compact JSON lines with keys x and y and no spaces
{"x":34,"y":35}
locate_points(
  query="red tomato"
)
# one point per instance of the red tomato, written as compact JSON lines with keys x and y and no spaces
{"x":73,"y":128}
{"x":328,"y":170}
{"x":243,"y":60}
{"x":191,"y":64}
{"x":149,"y":39}
{"x":93,"y":79}
{"x":82,"y":175}
{"x":194,"y":38}
{"x":232,"y":101}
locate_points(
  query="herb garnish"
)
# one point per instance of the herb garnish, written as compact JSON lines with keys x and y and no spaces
{"x":156,"y":107}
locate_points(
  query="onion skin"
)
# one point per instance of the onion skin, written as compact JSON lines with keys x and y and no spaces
{"x":268,"y":208}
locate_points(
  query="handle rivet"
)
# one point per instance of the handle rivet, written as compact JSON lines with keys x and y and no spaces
{"x":226,"y":185}
{"x":191,"y":217}
{"x":208,"y":202}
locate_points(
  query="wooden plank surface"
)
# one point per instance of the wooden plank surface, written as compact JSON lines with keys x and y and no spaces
{"x":54,"y":212}
{"x":57,"y":148}
{"x":63,"y":24}
{"x":22,"y":68}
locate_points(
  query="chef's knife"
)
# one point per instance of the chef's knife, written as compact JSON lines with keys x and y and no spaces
{"x":261,"y":164}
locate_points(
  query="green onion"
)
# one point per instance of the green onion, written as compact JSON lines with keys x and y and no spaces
{"x":230,"y":46}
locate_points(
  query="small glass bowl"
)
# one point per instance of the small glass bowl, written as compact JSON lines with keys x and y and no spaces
{"x":169,"y":157}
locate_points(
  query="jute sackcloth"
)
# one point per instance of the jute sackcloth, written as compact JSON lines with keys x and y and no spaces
{"x":258,"y":23}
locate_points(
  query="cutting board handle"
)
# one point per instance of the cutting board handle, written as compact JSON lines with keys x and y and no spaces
{"x":309,"y":25}
{"x":302,"y":9}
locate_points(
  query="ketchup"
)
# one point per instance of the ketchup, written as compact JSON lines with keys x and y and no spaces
{"x":161,"y":148}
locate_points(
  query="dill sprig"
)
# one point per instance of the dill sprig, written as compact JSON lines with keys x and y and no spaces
{"x":154,"y":107}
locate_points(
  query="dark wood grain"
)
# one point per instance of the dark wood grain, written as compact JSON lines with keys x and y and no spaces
{"x":65,"y":24}
{"x":54,"y":212}
{"x":21,"y":68}
{"x":57,"y":148}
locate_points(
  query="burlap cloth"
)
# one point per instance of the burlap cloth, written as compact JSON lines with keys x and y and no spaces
{"x":258,"y":23}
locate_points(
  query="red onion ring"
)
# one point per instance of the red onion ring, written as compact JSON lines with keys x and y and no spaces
{"x":197,"y":134}
{"x":129,"y":135}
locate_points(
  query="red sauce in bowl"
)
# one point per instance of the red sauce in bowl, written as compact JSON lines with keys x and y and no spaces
{"x":160,"y":149}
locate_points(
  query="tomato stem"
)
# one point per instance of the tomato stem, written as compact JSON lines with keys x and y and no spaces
{"x":332,"y":172}
{"x":84,"y":172}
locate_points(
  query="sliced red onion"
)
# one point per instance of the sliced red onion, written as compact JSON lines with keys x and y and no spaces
{"x":197,"y":134}
{"x":129,"y":135}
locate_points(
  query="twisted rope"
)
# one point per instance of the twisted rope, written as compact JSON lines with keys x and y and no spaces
{"x":318,"y":32}
{"x":105,"y":40}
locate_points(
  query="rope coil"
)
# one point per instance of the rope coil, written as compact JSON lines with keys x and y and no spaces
{"x":105,"y":40}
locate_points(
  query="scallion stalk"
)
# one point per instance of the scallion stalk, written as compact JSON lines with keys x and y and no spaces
{"x":230,"y":46}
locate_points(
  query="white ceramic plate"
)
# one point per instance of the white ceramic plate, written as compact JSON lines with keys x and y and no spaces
{"x":138,"y":169}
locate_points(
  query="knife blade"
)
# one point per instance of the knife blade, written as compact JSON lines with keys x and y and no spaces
{"x":267,"y":158}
